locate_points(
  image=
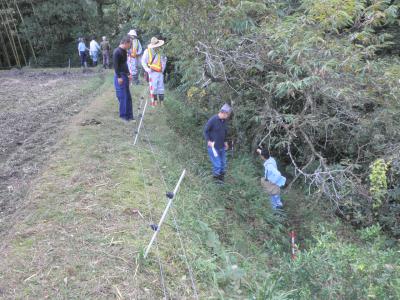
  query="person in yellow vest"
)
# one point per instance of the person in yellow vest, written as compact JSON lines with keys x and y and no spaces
{"x":154,"y":64}
{"x":134,"y":56}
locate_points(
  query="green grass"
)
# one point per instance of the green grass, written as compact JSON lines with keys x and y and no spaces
{"x":78,"y":237}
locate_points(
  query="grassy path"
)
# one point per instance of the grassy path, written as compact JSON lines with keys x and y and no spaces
{"x":79,"y":235}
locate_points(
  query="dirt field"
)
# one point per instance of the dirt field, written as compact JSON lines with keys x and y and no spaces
{"x":34,"y":108}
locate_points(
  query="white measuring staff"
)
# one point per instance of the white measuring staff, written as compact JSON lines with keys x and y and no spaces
{"x":213,"y":150}
{"x":140,"y":123}
{"x":165,"y":213}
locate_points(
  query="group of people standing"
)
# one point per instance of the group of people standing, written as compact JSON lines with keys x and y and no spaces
{"x":94,"y":52}
{"x":126,"y":59}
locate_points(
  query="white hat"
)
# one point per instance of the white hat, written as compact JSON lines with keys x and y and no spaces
{"x":226,"y":108}
{"x":132,"y":32}
{"x":155,"y":42}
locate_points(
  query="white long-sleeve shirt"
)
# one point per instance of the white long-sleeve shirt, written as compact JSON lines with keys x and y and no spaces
{"x":94,"y":46}
{"x":145,"y":59}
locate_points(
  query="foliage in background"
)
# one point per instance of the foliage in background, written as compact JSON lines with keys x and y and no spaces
{"x":333,"y":262}
{"x":314,"y":81}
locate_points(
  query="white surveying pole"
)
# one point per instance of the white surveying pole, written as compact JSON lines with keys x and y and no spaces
{"x":140,"y":124}
{"x":171,"y":197}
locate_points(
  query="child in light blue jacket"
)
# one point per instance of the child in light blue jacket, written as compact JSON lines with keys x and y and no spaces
{"x":272,"y":180}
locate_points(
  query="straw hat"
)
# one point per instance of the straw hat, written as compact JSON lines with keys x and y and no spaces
{"x":132,"y":32}
{"x":155,"y":42}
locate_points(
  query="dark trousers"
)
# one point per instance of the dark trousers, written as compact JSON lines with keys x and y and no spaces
{"x":83,"y":58}
{"x":124,"y":98}
{"x":106,"y":59}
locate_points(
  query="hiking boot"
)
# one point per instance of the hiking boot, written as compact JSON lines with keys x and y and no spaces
{"x":218,"y":179}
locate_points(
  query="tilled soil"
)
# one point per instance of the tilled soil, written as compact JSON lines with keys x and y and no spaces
{"x":35,"y":106}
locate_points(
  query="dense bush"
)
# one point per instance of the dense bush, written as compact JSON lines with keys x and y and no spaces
{"x":333,"y":261}
{"x":315,"y":81}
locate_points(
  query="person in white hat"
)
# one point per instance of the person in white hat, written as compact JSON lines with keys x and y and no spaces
{"x":133,"y":56}
{"x":154,"y":64}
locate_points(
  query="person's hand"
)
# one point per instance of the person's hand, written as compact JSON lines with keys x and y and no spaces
{"x":226,"y":145}
{"x":258,"y":150}
{"x":130,"y":77}
{"x":210,"y":144}
{"x":120,"y":81}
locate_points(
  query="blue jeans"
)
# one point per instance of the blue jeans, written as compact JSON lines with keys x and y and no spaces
{"x":219,"y":162}
{"x":124,"y":97}
{"x":95,"y":55}
{"x":276,"y":201}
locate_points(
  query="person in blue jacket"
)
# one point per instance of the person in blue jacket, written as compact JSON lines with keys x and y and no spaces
{"x":272,"y":181}
{"x":82,"y":52}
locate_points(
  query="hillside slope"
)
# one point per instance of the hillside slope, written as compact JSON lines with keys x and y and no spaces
{"x":82,"y":232}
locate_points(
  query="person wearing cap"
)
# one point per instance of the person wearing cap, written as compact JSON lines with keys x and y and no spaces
{"x":122,"y":78}
{"x":105,"y":49}
{"x":94,"y":49}
{"x":272,"y":181}
{"x":215,"y":134}
{"x":133,"y":56}
{"x":154,"y":64}
{"x":82,"y":52}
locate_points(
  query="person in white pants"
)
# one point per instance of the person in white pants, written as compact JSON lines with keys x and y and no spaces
{"x":154,"y":64}
{"x":134,"y":56}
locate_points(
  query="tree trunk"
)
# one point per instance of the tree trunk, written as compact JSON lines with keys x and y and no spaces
{"x":3,"y":46}
{"x":5,"y":21}
{"x":16,"y":32}
{"x":26,"y":33}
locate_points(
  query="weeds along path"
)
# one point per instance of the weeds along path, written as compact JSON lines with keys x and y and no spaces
{"x":35,"y":107}
{"x":79,"y":233}
{"x":86,"y":219}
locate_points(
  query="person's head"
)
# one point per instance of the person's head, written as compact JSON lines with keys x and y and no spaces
{"x":132,"y":33}
{"x":125,"y":42}
{"x":264,"y":153}
{"x":104,"y":38}
{"x":225,"y":112}
{"x":155,"y":43}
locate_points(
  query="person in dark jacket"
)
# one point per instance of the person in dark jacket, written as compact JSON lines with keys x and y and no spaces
{"x":122,"y":78}
{"x":215,"y":133}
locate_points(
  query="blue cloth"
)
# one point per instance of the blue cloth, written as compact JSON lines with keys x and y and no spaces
{"x":81,"y":47}
{"x":124,"y":97}
{"x":272,"y":174}
{"x":82,"y":55}
{"x":95,"y":55}
{"x":216,"y":131}
{"x":219,"y":162}
{"x":276,"y":201}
